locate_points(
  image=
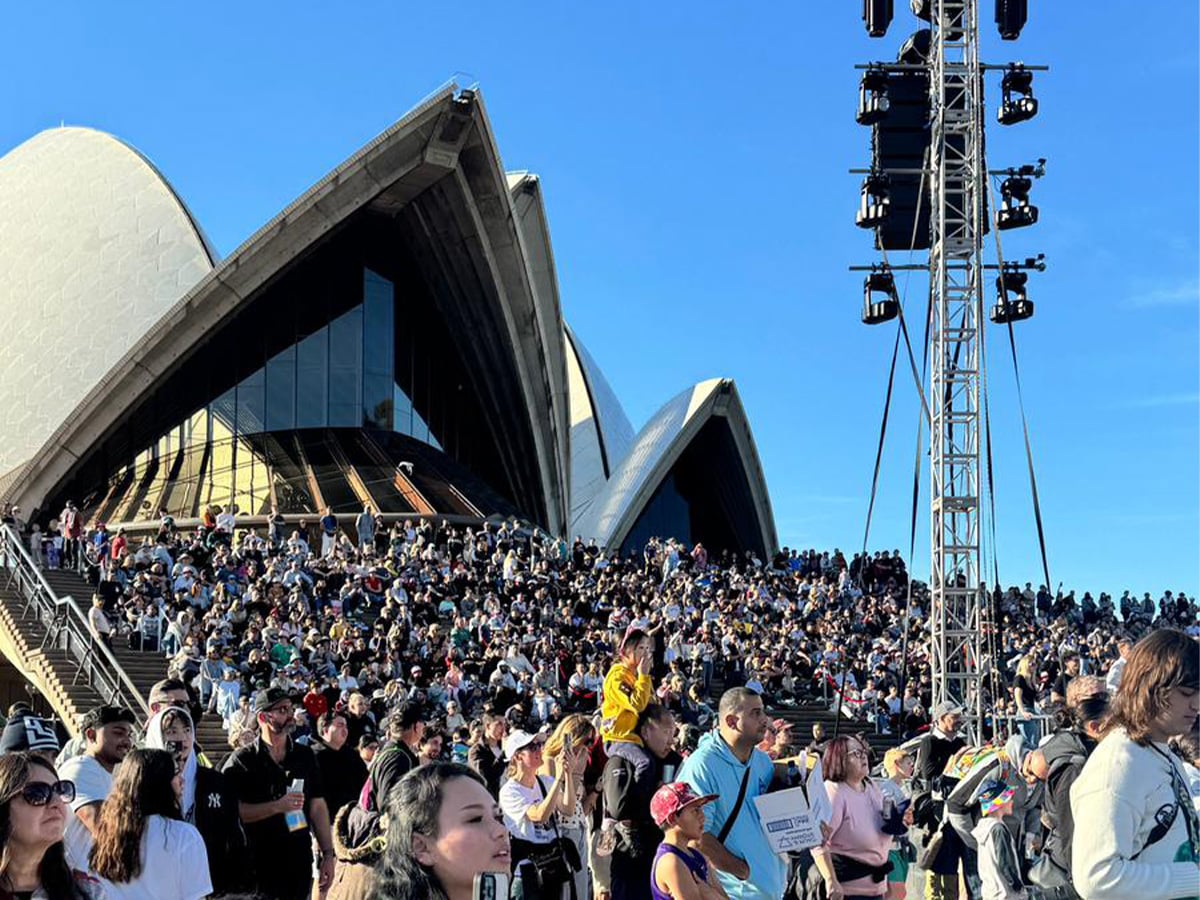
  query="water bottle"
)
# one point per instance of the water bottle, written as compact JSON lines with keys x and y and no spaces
{"x":295,"y":819}
{"x":793,"y":773}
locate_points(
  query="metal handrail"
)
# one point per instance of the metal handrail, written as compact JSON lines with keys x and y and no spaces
{"x":67,"y":628}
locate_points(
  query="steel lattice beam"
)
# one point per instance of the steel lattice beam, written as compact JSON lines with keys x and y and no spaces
{"x":955,"y":266}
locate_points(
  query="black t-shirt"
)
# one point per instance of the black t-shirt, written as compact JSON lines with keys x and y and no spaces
{"x":343,"y":772}
{"x":256,"y":778}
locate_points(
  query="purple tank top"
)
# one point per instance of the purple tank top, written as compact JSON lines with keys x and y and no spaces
{"x":693,"y":859}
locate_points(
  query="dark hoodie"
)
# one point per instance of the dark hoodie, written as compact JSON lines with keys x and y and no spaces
{"x":1065,"y":754}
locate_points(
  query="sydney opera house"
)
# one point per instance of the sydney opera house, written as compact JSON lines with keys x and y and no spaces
{"x":394,"y":337}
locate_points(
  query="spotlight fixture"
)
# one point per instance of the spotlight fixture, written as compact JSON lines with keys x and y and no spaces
{"x":1012,"y":303}
{"x":874,"y":202}
{"x":876,"y":312}
{"x":1011,"y":16}
{"x":873,"y":101}
{"x":1016,"y":210}
{"x":1017,"y":103}
{"x":951,"y":19}
{"x":877,"y":16}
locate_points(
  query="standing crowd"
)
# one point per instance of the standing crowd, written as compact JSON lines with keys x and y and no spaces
{"x":414,"y":710}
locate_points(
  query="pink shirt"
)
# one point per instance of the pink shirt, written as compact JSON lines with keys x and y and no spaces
{"x":855,"y":827}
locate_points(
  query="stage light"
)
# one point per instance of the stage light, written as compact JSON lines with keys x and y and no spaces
{"x":876,"y":312}
{"x":873,"y":103}
{"x":1011,"y":16}
{"x":1017,"y":103}
{"x":874,"y":201}
{"x":1016,"y":210}
{"x":1012,"y":302}
{"x":952,"y":22}
{"x":877,"y":16}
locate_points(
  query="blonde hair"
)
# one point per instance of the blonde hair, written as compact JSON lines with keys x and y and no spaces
{"x":577,"y":727}
{"x":1025,"y":667}
{"x":892,"y":760}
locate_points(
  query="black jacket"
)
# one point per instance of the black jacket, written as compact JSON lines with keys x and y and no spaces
{"x":631,"y":776}
{"x":1065,"y":754}
{"x":481,"y":758}
{"x":216,"y":818}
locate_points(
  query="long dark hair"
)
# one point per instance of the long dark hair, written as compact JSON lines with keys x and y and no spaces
{"x":413,"y":807}
{"x":141,"y":789}
{"x":1160,"y":662}
{"x":53,"y":872}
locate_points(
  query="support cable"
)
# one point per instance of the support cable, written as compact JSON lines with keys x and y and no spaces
{"x":1012,"y":343}
{"x":902,"y":329}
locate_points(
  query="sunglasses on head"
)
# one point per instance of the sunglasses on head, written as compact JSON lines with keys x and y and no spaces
{"x":38,"y":793}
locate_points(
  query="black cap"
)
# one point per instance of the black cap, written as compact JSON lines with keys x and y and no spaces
{"x":29,"y":732}
{"x":107,"y":715}
{"x":267,"y":699}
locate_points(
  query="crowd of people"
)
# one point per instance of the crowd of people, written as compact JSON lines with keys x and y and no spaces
{"x":408,"y":707}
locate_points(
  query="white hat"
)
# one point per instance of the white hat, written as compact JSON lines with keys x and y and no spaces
{"x":516,"y":742}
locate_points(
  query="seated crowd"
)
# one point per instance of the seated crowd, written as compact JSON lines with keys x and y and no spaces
{"x":424,"y":703}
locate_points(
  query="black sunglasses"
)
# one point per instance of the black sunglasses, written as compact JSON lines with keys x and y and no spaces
{"x":38,"y":793}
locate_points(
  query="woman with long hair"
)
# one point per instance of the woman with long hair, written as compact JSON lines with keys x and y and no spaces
{"x":1143,"y":834}
{"x":853,"y":861}
{"x":33,"y":813}
{"x":1025,"y":697}
{"x":143,"y":850}
{"x":205,"y":800}
{"x":571,"y":740}
{"x":533,"y":803}
{"x":444,"y":828}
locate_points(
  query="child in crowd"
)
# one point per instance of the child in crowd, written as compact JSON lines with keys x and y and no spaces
{"x":679,"y":869}
{"x":628,"y":688}
{"x":999,"y":865}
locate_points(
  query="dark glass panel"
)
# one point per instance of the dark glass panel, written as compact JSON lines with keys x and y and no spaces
{"x":252,"y":404}
{"x":312,"y":380}
{"x":281,"y":391}
{"x":345,"y":369}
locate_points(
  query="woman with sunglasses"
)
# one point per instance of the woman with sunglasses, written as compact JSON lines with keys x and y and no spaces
{"x":143,"y":850}
{"x":853,"y":861}
{"x":531,"y":804}
{"x":33,"y":813}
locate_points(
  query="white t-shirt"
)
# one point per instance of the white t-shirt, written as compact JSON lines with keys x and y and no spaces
{"x":174,"y":865}
{"x":92,"y":785}
{"x":515,"y":801}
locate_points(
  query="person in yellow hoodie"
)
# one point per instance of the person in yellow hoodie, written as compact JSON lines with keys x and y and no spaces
{"x":628,"y":689}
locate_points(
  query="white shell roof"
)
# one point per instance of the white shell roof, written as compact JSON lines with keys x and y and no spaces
{"x":651,"y":447}
{"x":94,"y":248}
{"x":600,"y":431}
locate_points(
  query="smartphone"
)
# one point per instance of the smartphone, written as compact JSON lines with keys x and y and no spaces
{"x":490,"y":886}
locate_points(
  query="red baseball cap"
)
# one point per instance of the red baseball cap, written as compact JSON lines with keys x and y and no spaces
{"x":671,"y":799}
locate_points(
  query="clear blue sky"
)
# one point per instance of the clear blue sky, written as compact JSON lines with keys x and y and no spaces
{"x":694,"y":162}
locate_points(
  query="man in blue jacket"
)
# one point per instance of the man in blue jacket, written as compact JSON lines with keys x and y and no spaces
{"x":747,"y":868}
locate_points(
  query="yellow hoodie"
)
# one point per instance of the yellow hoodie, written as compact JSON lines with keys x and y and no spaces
{"x":626,"y":694}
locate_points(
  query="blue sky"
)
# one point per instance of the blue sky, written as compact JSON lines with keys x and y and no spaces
{"x":694,"y":162}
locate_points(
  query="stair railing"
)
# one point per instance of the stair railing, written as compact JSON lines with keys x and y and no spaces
{"x":66,"y":628}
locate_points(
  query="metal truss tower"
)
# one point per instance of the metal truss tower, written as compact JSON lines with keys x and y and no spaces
{"x":957,"y":208}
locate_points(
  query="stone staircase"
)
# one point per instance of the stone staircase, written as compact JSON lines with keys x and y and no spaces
{"x":52,"y":671}
{"x":144,"y":668}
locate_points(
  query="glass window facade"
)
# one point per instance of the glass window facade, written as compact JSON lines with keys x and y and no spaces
{"x":369,"y":352}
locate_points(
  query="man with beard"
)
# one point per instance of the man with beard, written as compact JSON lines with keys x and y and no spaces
{"x":729,"y":764}
{"x":261,"y":776}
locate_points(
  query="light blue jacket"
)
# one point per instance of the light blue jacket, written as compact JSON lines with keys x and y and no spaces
{"x":713,"y":769}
